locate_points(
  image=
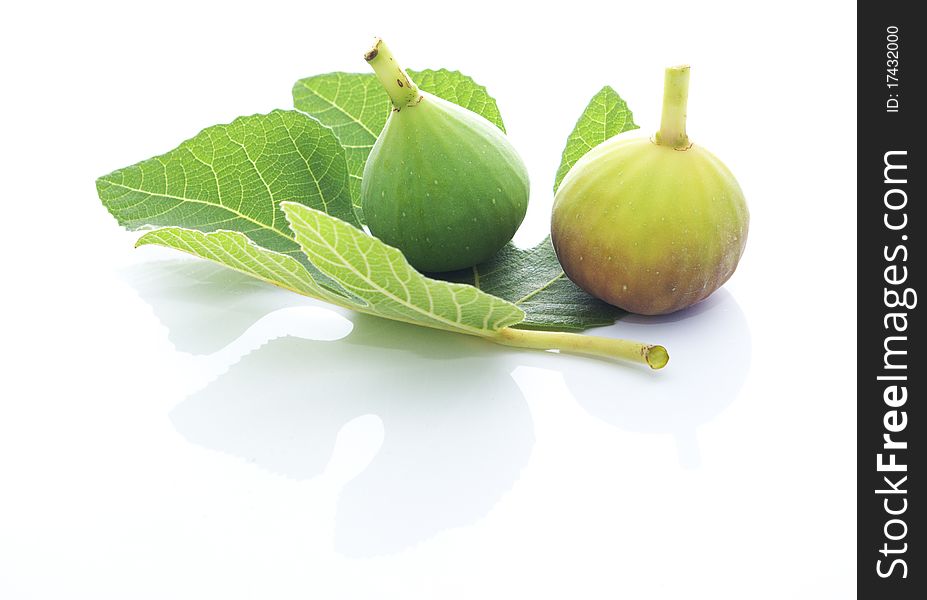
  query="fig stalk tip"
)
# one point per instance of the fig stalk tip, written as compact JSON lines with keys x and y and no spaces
{"x":394,"y":79}
{"x":675,"y":98}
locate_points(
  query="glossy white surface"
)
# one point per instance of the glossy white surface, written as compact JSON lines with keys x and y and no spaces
{"x":171,"y":429}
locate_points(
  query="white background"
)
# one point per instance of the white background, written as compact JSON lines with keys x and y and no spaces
{"x":172,"y":430}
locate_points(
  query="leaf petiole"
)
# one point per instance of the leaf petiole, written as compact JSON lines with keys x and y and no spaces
{"x":652,"y":355}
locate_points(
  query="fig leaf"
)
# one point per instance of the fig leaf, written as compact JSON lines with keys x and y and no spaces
{"x":373,"y":277}
{"x":238,"y":252}
{"x":234,"y":177}
{"x":532,"y":280}
{"x":356,"y":106}
{"x":605,"y":116}
{"x":380,"y":274}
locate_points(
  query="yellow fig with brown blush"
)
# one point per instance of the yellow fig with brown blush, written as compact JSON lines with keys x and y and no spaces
{"x":651,"y":224}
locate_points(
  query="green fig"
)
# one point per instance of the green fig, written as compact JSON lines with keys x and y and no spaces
{"x":651,"y":225}
{"x":442,"y":184}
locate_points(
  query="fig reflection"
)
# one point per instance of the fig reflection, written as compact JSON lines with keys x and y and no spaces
{"x":457,"y":430}
{"x":710,"y":348}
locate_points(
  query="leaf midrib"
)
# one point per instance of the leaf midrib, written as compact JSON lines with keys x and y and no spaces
{"x":340,"y":109}
{"x":534,"y":293}
{"x":455,"y":324}
{"x":212,"y":204}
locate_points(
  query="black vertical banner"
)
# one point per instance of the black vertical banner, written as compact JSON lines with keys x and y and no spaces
{"x":891,"y":370}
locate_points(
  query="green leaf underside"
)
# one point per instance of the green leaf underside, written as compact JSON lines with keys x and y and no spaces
{"x":381,"y":276}
{"x":605,"y":116}
{"x":533,"y":280}
{"x":356,"y":107}
{"x":238,"y":252}
{"x":233,"y":177}
{"x":374,"y":278}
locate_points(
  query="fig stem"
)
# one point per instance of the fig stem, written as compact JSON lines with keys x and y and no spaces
{"x":652,"y":355}
{"x":394,"y":79}
{"x":675,"y":97}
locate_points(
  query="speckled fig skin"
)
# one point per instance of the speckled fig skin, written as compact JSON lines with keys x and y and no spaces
{"x":647,"y":227}
{"x":444,"y":185}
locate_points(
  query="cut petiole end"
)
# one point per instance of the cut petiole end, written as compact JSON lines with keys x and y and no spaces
{"x":656,"y":356}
